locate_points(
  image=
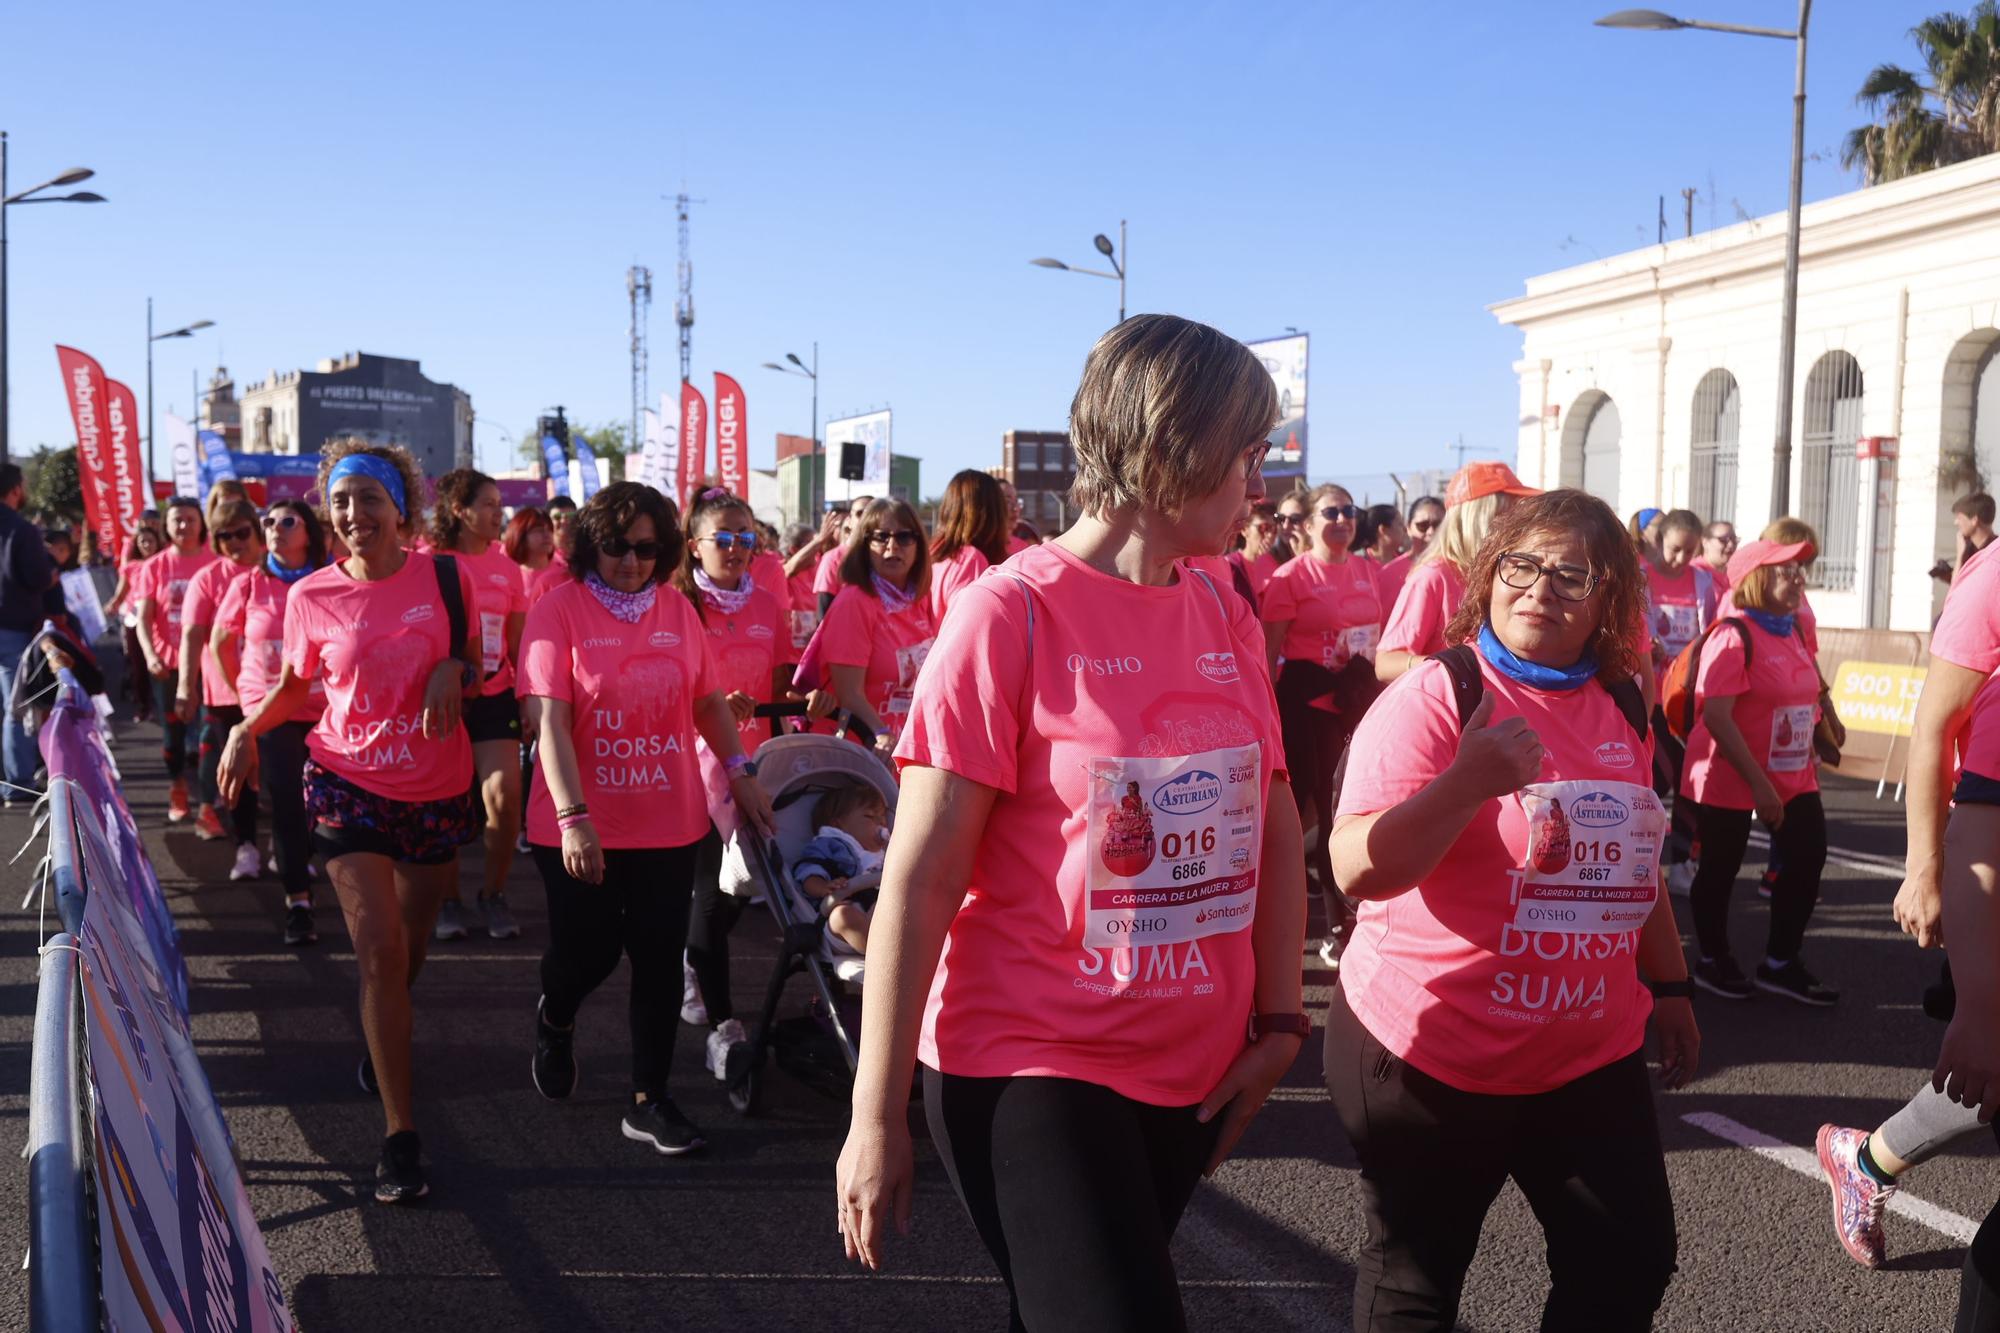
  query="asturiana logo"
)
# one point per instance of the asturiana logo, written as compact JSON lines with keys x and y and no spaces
{"x":1598,"y":809}
{"x":1218,"y":667}
{"x":1615,"y":754}
{"x":664,"y":638}
{"x":1196,"y":789}
{"x":417,"y":615}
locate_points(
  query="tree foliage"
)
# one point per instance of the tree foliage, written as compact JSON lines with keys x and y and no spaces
{"x":54,"y":488}
{"x":1949,"y":112}
{"x":607,"y":442}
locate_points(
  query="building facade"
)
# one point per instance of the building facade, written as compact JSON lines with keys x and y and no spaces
{"x":1650,"y":378}
{"x":383,"y":399}
{"x":798,"y":472}
{"x":1041,"y":466}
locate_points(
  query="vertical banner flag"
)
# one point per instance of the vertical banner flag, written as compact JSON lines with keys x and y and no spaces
{"x":215,"y":464}
{"x":556,"y":462}
{"x":666,"y":446}
{"x":123,"y":455}
{"x":730,"y":435}
{"x":181,"y":444}
{"x":586,"y":463}
{"x":83,"y":385}
{"x":694,"y":441}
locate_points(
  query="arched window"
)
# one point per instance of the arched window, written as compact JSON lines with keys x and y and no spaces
{"x":1590,"y":446}
{"x":1712,"y":455}
{"x":1986,"y":418}
{"x":1829,"y":477}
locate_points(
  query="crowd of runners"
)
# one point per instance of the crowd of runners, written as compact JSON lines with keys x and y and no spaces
{"x":1497,"y":732}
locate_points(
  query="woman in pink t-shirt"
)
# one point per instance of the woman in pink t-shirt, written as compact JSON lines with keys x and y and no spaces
{"x":388,"y":776}
{"x":618,"y":811}
{"x":530,"y":542}
{"x":1092,"y":910}
{"x":1479,"y":493}
{"x":234,"y":533}
{"x":467,"y":523}
{"x":160,"y":592}
{"x":1264,"y":548}
{"x":971,"y":536}
{"x":878,"y":631}
{"x":1678,"y":593}
{"x":145,"y":543}
{"x":1751,"y":751}
{"x":826,"y":575}
{"x":1496,"y":825}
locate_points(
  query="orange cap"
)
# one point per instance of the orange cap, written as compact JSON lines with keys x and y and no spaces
{"x":1476,"y":481}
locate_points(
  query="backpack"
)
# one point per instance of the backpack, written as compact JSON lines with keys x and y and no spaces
{"x":453,"y":597}
{"x":1677,"y":692}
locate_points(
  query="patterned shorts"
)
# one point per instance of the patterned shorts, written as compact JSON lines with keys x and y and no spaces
{"x":351,"y":819}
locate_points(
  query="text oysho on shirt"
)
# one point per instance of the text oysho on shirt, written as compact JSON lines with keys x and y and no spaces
{"x":1777,"y":705}
{"x":163,"y":579}
{"x":254,"y":610}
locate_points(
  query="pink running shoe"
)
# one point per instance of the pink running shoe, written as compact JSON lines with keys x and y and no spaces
{"x":1858,"y":1198}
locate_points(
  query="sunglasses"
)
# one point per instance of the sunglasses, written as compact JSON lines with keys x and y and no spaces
{"x":618,"y":548}
{"x":282,"y":522}
{"x":729,"y":541}
{"x":1291,"y":520}
{"x":900,"y":537}
{"x":242,"y":534}
{"x":1335,"y":513}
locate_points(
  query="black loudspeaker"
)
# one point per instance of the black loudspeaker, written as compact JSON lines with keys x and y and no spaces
{"x":853,"y":461}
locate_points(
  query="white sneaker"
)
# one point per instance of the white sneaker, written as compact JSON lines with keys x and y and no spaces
{"x":693,"y":1012}
{"x":1680,"y":879}
{"x":729,"y":1032}
{"x":248,"y":865}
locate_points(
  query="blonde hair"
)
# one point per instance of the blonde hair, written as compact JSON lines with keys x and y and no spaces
{"x":1753,"y":591}
{"x":1464,"y":531}
{"x":1165,"y":408}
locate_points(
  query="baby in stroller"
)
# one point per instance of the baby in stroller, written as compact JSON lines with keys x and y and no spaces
{"x":840,"y":869}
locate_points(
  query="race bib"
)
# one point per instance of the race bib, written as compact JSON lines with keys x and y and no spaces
{"x":909,"y":661}
{"x":1593,"y":859}
{"x":1791,"y":739}
{"x":803,"y":625}
{"x":1173,"y":847}
{"x":492,"y":641}
{"x":1677,"y":625}
{"x":1361,"y":640}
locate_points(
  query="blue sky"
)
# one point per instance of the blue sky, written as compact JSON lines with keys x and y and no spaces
{"x":467,"y":183}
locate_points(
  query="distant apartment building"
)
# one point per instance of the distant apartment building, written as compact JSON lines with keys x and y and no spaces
{"x":383,"y":399}
{"x":1041,"y":466}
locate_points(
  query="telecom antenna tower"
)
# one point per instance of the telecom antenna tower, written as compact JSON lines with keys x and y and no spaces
{"x":639,"y":291}
{"x":684,"y":302}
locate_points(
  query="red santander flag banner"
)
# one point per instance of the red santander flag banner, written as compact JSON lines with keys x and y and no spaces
{"x":90,"y":410}
{"x":129,"y":496}
{"x":730,"y":436}
{"x":694,"y":441}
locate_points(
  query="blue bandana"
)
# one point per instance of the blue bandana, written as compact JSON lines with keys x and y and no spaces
{"x":1781,"y":626}
{"x":1533,"y":674}
{"x":278,"y":571}
{"x":380,"y":469}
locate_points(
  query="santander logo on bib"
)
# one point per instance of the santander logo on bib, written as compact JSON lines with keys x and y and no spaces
{"x":1218,"y":667}
{"x":1615,"y":754}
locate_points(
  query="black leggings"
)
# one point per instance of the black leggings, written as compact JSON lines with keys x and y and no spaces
{"x":1076,"y":1192}
{"x":1979,"y":1278}
{"x":1798,"y":847}
{"x":713,"y":915}
{"x":640,"y":909}
{"x":1314,"y":741}
{"x":173,"y":735}
{"x":1587,"y":1155}
{"x":216,"y":720}
{"x":281,"y":764}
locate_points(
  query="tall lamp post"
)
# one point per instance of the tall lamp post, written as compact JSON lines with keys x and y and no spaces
{"x":1117,"y":258}
{"x":32,"y":196}
{"x":1652,"y":20}
{"x":799,"y":367}
{"x":185,"y":331}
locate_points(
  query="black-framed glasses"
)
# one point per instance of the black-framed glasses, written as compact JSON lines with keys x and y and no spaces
{"x":282,"y":522}
{"x":618,"y":548}
{"x":1566,"y":581}
{"x":242,"y":534}
{"x":1253,"y":458}
{"x":1335,"y":513}
{"x":900,"y":537}
{"x":729,"y":541}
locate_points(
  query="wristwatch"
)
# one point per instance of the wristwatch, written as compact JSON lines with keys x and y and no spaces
{"x":1291,"y":1025}
{"x":740,"y":766}
{"x":1672,"y":990}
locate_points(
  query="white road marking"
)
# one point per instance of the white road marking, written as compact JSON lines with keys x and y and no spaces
{"x":1881,"y":867}
{"x":1806,"y":1163}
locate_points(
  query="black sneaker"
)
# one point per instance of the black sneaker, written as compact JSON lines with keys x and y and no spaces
{"x":661,"y":1124}
{"x":554,"y":1066}
{"x":1795,"y":983}
{"x":299,"y":928}
{"x":399,"y":1176}
{"x":1721,"y":976}
{"x":364,"y":1074}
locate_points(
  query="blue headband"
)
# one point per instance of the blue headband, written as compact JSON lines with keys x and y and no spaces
{"x":378,"y":469}
{"x":1646,"y":517}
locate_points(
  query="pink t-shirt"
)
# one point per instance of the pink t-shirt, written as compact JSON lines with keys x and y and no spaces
{"x":200,"y":606}
{"x":1117,"y":687}
{"x":1717,"y":604}
{"x":375,"y":645}
{"x":631,"y":691}
{"x":1968,"y":635}
{"x":1426,"y":604}
{"x":826,"y":574}
{"x":801,"y":588}
{"x":1448,"y":975}
{"x":1777,"y":702}
{"x":1262,"y":569}
{"x":164,"y":578}
{"x":1016,"y":545}
{"x":745,"y":649}
{"x":956,"y":571}
{"x":1390,"y":577}
{"x":1333,"y":606}
{"x":552,"y":577}
{"x":254,"y":610}
{"x":1674,"y":614}
{"x":497,"y":593}
{"x":860,"y":631}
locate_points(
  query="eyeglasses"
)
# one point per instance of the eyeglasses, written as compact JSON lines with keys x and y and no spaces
{"x":1253,"y":458}
{"x":900,"y":537}
{"x":1335,"y":513}
{"x":618,"y":548}
{"x":729,"y":541}
{"x":1567,"y":581}
{"x":1424,"y":527}
{"x":282,"y":522}
{"x":242,"y":534}
{"x":1291,"y":520}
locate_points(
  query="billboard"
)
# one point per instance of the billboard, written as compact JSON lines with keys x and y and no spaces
{"x":871,"y":430}
{"x":1285,"y":358}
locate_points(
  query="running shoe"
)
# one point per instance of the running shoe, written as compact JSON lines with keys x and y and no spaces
{"x":554,"y":1066}
{"x":1329,"y":953}
{"x":521,"y":843}
{"x":451,"y":920}
{"x":661,"y":1124}
{"x":364,"y":1074}
{"x":248,"y":865}
{"x":729,"y":1032}
{"x":177,"y":803}
{"x":1858,"y":1198}
{"x":500,"y":923}
{"x":1721,"y":976}
{"x":1795,"y":983}
{"x":399,"y":1176}
{"x":1767,"y":883}
{"x":694,"y":1012}
{"x":208,"y":824}
{"x":299,"y":928}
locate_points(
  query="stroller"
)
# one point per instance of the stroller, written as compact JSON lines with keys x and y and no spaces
{"x":817,"y":1047}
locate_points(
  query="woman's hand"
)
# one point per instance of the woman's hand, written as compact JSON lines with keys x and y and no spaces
{"x":1968,"y":1068}
{"x":238,"y":766}
{"x":821,"y":703}
{"x":1770,"y":808}
{"x":1919,"y":908}
{"x":1244,"y":1086}
{"x":184,"y":704}
{"x":754,"y":803}
{"x":873,"y":1182}
{"x":885,"y":745}
{"x":583,"y":858}
{"x":1498,"y":759}
{"x":444,"y":695}
{"x":1679,"y":1038}
{"x":742,"y":706}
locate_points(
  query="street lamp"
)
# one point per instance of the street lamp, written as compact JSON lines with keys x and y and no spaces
{"x":1652,"y":20}
{"x":185,"y":331}
{"x":799,"y":367}
{"x":1117,"y":257}
{"x":33,"y":196}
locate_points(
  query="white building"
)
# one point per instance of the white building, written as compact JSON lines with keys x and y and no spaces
{"x":1650,"y":378}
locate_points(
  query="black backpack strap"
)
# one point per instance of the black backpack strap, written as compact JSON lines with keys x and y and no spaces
{"x":1632,"y":704}
{"x":1468,"y":687}
{"x":454,"y":602}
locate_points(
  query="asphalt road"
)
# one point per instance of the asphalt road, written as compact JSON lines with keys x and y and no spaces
{"x":542,"y":1216}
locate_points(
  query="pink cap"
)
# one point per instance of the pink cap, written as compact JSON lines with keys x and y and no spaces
{"x":1757,"y":554}
{"x":1476,"y":481}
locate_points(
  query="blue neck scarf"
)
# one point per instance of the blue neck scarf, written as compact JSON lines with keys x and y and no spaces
{"x":1533,"y":674}
{"x":278,"y":571}
{"x":380,"y":469}
{"x":1781,"y":626}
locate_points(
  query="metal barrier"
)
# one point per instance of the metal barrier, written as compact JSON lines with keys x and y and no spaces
{"x":62,"y":1241}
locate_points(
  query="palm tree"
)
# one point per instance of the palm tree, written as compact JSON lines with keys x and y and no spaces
{"x":1948,"y":114}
